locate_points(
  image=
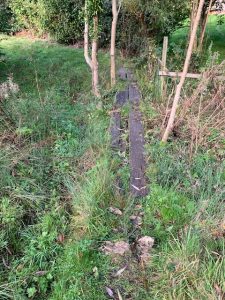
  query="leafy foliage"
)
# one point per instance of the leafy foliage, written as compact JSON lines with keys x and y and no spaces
{"x":94,"y":7}
{"x":59,"y":18}
{"x":5,"y":17}
{"x":143,"y":19}
{"x":28,"y":14}
{"x":63,"y":19}
{"x":138,"y":20}
{"x":158,"y":17}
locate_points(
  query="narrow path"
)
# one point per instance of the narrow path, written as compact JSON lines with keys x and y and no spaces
{"x":121,"y":99}
{"x":138,"y":181}
{"x":129,"y":250}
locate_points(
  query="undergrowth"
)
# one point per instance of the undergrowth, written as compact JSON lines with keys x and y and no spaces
{"x":185,"y":211}
{"x":58,"y":181}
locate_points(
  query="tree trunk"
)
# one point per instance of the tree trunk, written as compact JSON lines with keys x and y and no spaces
{"x":115,"y":13}
{"x":204,"y":24}
{"x":86,"y":38}
{"x":95,"y":74}
{"x":185,"y":71}
{"x":194,"y":9}
{"x":93,"y":60}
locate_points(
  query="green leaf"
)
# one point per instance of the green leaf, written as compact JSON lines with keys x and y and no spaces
{"x":31,"y":292}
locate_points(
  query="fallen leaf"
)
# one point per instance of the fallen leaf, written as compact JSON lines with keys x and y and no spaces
{"x":118,"y":273}
{"x":119,"y":295}
{"x":41,"y":273}
{"x":109,"y":292}
{"x":135,"y":187}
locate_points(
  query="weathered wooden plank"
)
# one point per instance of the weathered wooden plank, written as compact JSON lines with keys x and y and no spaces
{"x":125,"y":74}
{"x":189,"y":75}
{"x":138,"y":182}
{"x":178,"y":74}
{"x":122,"y":73}
{"x":115,"y":129}
{"x":122,"y":98}
{"x":134,"y":94}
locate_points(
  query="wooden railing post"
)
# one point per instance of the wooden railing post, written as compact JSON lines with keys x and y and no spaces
{"x":164,"y":60}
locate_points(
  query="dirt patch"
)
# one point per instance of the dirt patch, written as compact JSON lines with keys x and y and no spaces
{"x":32,"y":35}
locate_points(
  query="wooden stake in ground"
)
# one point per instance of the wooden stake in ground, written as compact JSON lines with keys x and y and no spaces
{"x":164,"y":58}
{"x":93,"y":61}
{"x":115,"y":13}
{"x":184,"y":73}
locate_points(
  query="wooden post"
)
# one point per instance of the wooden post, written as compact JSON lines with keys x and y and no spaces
{"x":184,"y":73}
{"x":167,"y":73}
{"x":164,"y":59}
{"x":179,"y":74}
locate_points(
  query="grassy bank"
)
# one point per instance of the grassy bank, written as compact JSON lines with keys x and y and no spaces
{"x":215,"y":35}
{"x":58,"y":181}
{"x":53,"y":156}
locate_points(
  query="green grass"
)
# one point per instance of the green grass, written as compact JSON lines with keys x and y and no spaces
{"x":57,"y":183}
{"x":46,"y":129}
{"x":215,"y":35}
{"x":185,"y":211}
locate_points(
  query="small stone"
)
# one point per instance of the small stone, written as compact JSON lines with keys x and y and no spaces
{"x":144,"y":246}
{"x":115,"y":211}
{"x":136,"y":220}
{"x":138,"y":207}
{"x":145,"y":243}
{"x":116,"y":248}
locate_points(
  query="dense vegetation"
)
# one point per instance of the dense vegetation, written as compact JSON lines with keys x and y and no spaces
{"x":63,"y":20}
{"x":58,"y":171}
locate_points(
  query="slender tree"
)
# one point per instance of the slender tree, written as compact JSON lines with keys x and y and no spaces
{"x":92,"y":10}
{"x":194,"y":10}
{"x":204,"y":20}
{"x":86,"y":36}
{"x":115,"y":12}
{"x":185,"y":70}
